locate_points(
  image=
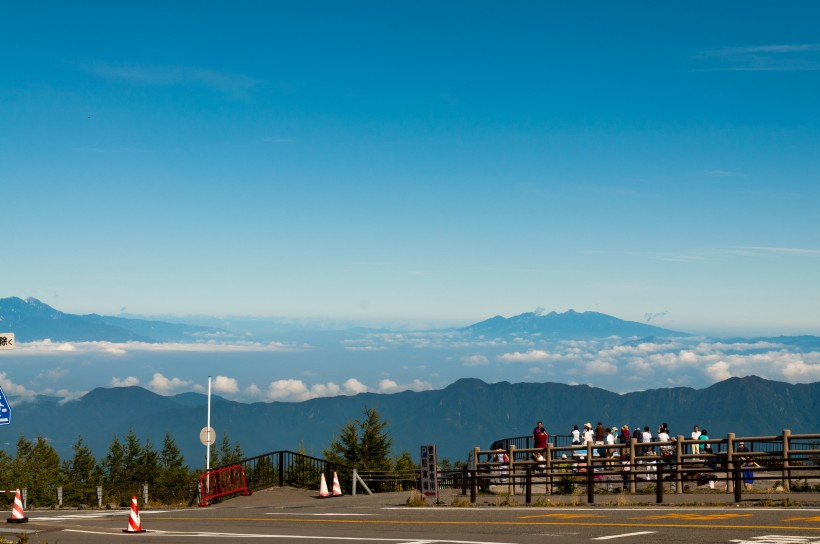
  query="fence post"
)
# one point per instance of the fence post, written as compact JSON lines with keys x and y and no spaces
{"x":528,"y":483}
{"x":659,"y":469}
{"x":464,"y":476}
{"x":473,"y":485}
{"x":787,"y":474}
{"x":679,"y":465}
{"x":511,"y":471}
{"x":548,"y":480}
{"x":736,"y":479}
{"x":281,"y":469}
{"x":730,"y":448}
{"x":633,"y":465}
{"x":590,"y":482}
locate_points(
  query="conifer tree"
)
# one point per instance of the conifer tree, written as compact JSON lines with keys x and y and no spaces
{"x":45,"y":477}
{"x":113,"y":465}
{"x":173,"y":474}
{"x":363,"y":443}
{"x":81,"y":474}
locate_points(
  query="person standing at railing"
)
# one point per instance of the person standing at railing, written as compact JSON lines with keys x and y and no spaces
{"x":747,"y":473}
{"x":576,"y":435}
{"x":696,"y":436}
{"x":540,"y":436}
{"x":600,"y":434}
{"x":646,"y":438}
{"x":623,"y":438}
{"x":588,"y":434}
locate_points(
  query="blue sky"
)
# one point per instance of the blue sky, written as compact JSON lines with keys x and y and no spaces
{"x":426,"y":162}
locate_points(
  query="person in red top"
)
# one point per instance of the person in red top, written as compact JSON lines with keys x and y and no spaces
{"x":540,"y":436}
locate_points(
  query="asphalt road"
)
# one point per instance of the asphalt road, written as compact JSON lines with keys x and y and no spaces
{"x":285,"y":516}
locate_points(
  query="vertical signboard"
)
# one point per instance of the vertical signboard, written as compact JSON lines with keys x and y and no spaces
{"x":5,"y":410}
{"x":429,"y":471}
{"x":6,"y":342}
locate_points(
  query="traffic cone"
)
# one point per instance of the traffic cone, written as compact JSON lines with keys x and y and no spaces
{"x":323,"y":492}
{"x":337,"y":489}
{"x":134,"y":524}
{"x":17,"y":515}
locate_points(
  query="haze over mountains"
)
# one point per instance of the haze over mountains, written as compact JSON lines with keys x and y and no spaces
{"x":98,"y":376}
{"x":32,"y":320}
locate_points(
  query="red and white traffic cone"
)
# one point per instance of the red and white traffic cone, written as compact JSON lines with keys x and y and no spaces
{"x":323,"y":492}
{"x":134,"y":524}
{"x":17,"y":515}
{"x":337,"y":489}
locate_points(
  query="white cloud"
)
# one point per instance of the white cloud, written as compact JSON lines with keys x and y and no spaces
{"x":224,"y":384}
{"x":125,"y":382}
{"x":253,"y":391}
{"x":354,"y":387}
{"x":163,"y":386}
{"x":296,"y":390}
{"x":388,"y":386}
{"x":12,"y":389}
{"x":601,"y":367}
{"x":47,"y":347}
{"x":475,"y":360}
{"x":528,"y":357}
{"x":719,"y":371}
{"x":288,"y":390}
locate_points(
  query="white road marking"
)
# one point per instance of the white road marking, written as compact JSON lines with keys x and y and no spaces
{"x":95,"y":515}
{"x":202,"y":534}
{"x":321,"y":514}
{"x":623,"y":535}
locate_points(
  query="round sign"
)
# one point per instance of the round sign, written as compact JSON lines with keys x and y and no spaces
{"x":207,"y":436}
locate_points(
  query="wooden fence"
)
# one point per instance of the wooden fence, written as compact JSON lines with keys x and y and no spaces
{"x":681,"y":465}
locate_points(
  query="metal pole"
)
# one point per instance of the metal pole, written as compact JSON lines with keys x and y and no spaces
{"x":208,"y":446}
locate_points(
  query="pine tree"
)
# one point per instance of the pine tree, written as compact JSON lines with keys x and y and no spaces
{"x":45,"y":465}
{"x":363,"y":443}
{"x":81,"y":475}
{"x":173,"y":474}
{"x":114,"y":470}
{"x":132,"y":461}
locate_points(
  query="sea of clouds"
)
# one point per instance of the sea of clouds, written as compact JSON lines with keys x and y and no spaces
{"x":388,"y":362}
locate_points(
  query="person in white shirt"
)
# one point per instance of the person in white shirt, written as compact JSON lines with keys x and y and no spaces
{"x":695,"y":436}
{"x":588,"y":435}
{"x":646,"y":438}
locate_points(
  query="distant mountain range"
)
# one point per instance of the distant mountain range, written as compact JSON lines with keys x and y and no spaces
{"x":31,"y":320}
{"x":567,"y":325}
{"x":466,"y":414}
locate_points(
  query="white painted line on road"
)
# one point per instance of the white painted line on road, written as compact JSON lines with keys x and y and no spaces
{"x":93,"y":515}
{"x":204,"y":534}
{"x":320,"y":514}
{"x":623,"y":535}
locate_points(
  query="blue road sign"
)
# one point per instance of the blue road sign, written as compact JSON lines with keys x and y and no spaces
{"x":5,"y":409}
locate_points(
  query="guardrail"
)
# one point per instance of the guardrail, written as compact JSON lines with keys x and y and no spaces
{"x":786,"y":458}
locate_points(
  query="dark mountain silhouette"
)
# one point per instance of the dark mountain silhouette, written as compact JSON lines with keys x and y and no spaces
{"x":31,"y":320}
{"x":466,"y":414}
{"x":568,"y":325}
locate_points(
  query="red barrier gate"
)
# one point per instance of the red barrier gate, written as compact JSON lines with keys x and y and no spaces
{"x":221,"y":482}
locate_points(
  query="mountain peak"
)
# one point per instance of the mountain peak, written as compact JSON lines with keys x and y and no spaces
{"x":568,"y":325}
